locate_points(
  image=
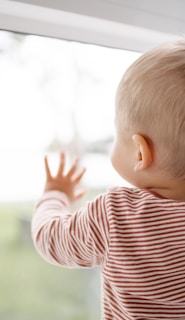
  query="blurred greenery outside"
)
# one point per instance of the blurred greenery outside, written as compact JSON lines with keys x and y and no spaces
{"x":33,"y":289}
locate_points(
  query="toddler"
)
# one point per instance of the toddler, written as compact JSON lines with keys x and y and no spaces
{"x":136,"y":235}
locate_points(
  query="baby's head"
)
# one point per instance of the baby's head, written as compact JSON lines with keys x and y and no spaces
{"x":150,"y":101}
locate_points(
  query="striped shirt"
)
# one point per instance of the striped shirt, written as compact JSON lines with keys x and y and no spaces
{"x":138,"y":239}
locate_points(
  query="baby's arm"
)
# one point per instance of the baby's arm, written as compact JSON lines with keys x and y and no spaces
{"x":78,"y":239}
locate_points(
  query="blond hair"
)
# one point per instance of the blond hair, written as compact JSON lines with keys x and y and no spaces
{"x":150,"y":100}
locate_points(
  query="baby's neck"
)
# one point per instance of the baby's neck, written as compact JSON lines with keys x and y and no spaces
{"x":171,"y":190}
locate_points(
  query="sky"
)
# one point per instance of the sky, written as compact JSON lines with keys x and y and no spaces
{"x":54,"y":89}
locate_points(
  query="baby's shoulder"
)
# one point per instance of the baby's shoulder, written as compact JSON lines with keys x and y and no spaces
{"x":128,"y":191}
{"x":130,"y":195}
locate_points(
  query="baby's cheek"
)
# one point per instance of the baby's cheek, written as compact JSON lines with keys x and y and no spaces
{"x":113,"y":155}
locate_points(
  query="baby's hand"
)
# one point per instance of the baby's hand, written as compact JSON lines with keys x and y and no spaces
{"x":65,"y":182}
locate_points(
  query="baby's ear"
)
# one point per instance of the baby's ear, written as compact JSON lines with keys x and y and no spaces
{"x":143,"y":153}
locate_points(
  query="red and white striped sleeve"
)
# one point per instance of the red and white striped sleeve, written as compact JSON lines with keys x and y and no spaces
{"x":72,"y":240}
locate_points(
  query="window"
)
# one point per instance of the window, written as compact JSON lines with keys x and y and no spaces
{"x":55,"y":95}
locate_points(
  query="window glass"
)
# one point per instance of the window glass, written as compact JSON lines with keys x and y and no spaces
{"x":55,"y":95}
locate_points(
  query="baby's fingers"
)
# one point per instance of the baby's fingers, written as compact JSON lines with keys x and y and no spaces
{"x":77,"y":177}
{"x":61,"y":165}
{"x":47,"y":169}
{"x":79,"y":194}
{"x":73,"y":168}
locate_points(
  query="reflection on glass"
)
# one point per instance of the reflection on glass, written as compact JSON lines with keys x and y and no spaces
{"x":54,"y":95}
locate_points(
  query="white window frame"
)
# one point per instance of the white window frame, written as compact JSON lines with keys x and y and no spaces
{"x":97,"y":22}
